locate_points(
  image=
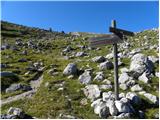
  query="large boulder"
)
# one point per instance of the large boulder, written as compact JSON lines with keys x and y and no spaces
{"x":85,"y":78}
{"x":98,"y":59}
{"x":139,"y":64}
{"x":106,"y":65}
{"x":71,"y":69}
{"x":92,"y":92}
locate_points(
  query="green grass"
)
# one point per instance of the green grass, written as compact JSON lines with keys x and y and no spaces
{"x":48,"y":102}
{"x":6,"y":95}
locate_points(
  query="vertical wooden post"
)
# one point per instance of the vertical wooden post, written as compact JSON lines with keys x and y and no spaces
{"x":116,"y":84}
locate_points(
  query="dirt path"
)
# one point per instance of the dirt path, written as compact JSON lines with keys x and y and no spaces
{"x":34,"y":84}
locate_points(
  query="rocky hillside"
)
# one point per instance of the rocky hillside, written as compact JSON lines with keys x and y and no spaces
{"x":49,"y":74}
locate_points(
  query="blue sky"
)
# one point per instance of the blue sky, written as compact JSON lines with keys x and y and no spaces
{"x":82,"y":16}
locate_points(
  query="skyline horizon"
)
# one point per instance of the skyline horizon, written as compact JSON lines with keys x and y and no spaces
{"x":73,"y":31}
{"x":79,"y":16}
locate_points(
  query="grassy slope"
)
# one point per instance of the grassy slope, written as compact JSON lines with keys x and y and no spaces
{"x":48,"y":102}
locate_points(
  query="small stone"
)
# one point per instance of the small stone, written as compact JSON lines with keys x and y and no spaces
{"x":99,"y":76}
{"x":85,"y":78}
{"x":123,"y":86}
{"x":84,"y":101}
{"x":153,"y":59}
{"x":80,"y":54}
{"x":136,"y":88}
{"x":156,"y":116}
{"x":106,"y":65}
{"x":130,"y":83}
{"x":109,"y":56}
{"x":124,"y":70}
{"x":70,"y":77}
{"x":107,"y":81}
{"x":92,"y":91}
{"x":71,"y":69}
{"x":143,"y":78}
{"x":123,"y":106}
{"x":112,"y":108}
{"x":123,"y":78}
{"x":22,"y":60}
{"x":46,"y":84}
{"x":121,"y":95}
{"x":108,"y":96}
{"x":24,"y":52}
{"x":152,"y":98}
{"x":141,"y":114}
{"x":105,"y":87}
{"x":96,"y":102}
{"x":16,"y":111}
{"x":123,"y":116}
{"x":64,"y":116}
{"x":142,"y":92}
{"x":101,"y":109}
{"x":60,"y":89}
{"x":157,"y":74}
{"x":98,"y":59}
{"x":68,"y":49}
{"x":135,"y":51}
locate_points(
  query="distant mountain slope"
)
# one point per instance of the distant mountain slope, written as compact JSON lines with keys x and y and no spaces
{"x":15,"y":30}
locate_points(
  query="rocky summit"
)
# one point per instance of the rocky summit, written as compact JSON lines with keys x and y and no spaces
{"x":49,"y":74}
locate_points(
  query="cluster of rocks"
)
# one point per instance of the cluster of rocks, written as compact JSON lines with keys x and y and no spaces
{"x":141,"y":69}
{"x":107,"y":105}
{"x":37,"y":66}
{"x":70,"y":53}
